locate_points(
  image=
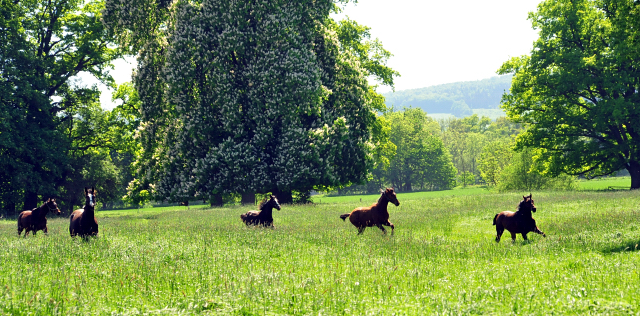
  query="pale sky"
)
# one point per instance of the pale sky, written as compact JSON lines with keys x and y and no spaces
{"x":433,"y":42}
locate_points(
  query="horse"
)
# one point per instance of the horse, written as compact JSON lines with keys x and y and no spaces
{"x":263,"y":217}
{"x":519,"y":222}
{"x":374,"y":215}
{"x":83,"y":221}
{"x":36,"y":219}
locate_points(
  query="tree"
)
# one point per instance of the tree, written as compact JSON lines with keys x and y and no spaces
{"x":243,"y":97}
{"x":45,"y":45}
{"x":421,"y":159}
{"x":578,"y":91}
{"x":523,"y":173}
{"x":495,"y":156}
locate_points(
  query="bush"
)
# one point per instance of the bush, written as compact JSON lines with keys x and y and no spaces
{"x":521,"y":175}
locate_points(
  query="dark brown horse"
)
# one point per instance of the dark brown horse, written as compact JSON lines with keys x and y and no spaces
{"x":83,"y":221}
{"x":263,"y":217}
{"x":519,"y":222}
{"x":374,"y":215}
{"x":36,"y":219}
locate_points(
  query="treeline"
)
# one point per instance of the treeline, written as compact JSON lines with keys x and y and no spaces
{"x":439,"y":155}
{"x":457,"y":98}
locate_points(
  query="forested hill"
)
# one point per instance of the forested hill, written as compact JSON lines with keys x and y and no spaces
{"x":457,"y":98}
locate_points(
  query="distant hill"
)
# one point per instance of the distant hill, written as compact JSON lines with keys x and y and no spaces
{"x":458,"y":98}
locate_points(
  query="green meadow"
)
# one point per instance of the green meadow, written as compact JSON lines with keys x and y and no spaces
{"x":442,"y":259}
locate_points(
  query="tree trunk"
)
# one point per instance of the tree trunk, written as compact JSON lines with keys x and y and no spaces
{"x":407,"y":186}
{"x":11,"y":209}
{"x":248,"y":198}
{"x":216,"y":200}
{"x":30,"y":200}
{"x":634,"y":170}
{"x":284,"y":197}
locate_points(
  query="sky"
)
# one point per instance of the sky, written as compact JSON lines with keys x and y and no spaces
{"x":433,"y":42}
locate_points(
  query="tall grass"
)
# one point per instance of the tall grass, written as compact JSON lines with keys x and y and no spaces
{"x":442,"y":259}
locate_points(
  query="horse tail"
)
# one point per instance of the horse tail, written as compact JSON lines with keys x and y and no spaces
{"x":494,"y":219}
{"x":344,"y":216}
{"x":20,"y":219}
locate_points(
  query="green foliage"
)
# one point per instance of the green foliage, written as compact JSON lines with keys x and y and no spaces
{"x":457,"y":98}
{"x":421,"y":160}
{"x":263,"y":98}
{"x":579,"y":88}
{"x":522,"y":175}
{"x":495,"y":157}
{"x":466,"y":178}
{"x":136,"y":195}
{"x":205,"y":261}
{"x":44,"y":46}
{"x":467,"y":140}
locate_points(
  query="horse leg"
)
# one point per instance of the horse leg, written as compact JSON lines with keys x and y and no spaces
{"x":537,"y":231}
{"x":46,"y":230}
{"x":499,"y":231}
{"x":361,"y":229}
{"x":524,"y":236}
{"x":513,"y":236}
{"x":382,"y":228}
{"x":388,"y":223}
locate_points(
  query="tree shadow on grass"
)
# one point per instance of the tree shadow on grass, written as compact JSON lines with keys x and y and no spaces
{"x":628,"y":245}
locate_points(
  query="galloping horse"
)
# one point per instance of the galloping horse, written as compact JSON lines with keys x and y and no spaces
{"x":83,"y":221}
{"x":374,"y":215}
{"x":36,"y":219}
{"x":519,"y":222}
{"x":263,"y":217}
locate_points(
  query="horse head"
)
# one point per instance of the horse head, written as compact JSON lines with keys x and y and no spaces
{"x":391,"y":196}
{"x":53,"y":206}
{"x":273,"y":201}
{"x":270,"y":203}
{"x":527,"y":204}
{"x":90,"y":197}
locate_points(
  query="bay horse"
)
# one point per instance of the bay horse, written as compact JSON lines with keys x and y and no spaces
{"x":263,"y":217}
{"x":36,"y":219}
{"x":519,"y":222}
{"x":83,"y":221}
{"x":374,"y":215}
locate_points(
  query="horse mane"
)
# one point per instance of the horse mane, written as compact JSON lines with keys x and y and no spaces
{"x":382,"y":196}
{"x":520,"y":204}
{"x":37,"y":210}
{"x":263,"y":203}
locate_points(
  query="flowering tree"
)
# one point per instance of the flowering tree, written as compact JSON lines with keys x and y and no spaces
{"x":246,"y":97}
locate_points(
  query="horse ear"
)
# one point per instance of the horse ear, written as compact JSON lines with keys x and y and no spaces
{"x":86,"y":190}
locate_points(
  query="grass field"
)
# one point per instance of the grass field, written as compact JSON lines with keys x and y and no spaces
{"x":609,"y":183}
{"x":442,"y":260}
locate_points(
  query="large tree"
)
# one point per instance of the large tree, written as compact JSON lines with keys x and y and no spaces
{"x":245,"y":97}
{"x":579,"y":89}
{"x":421,"y":159}
{"x":45,"y":44}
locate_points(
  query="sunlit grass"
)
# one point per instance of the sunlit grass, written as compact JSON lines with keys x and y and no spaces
{"x":608,"y":183}
{"x":442,"y":259}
